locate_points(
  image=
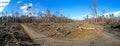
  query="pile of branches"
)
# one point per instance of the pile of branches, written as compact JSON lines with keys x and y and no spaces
{"x":13,"y":35}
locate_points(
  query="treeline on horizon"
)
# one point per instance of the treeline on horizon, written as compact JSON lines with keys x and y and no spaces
{"x":47,"y":17}
{"x":57,"y":18}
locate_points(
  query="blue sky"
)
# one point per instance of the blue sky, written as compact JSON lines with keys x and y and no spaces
{"x":75,"y":9}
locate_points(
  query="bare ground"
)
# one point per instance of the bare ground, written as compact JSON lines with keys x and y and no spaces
{"x":103,"y":39}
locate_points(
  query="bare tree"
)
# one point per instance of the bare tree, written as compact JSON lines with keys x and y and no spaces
{"x":94,"y":9}
{"x":48,"y":12}
{"x":57,"y":13}
{"x":103,"y":17}
{"x":2,"y":18}
{"x":86,"y":18}
{"x":48,"y":15}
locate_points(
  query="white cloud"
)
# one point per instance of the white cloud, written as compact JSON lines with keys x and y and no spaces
{"x":61,"y":10}
{"x":24,"y":8}
{"x":42,"y":11}
{"x":30,"y":4}
{"x":19,"y":2}
{"x":3,"y":4}
{"x":116,"y":13}
{"x":1,"y":9}
{"x":85,"y":15}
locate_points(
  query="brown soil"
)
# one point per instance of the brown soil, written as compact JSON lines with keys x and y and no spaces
{"x":64,"y":31}
{"x":103,"y":39}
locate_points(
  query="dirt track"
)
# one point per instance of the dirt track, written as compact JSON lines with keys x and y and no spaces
{"x":104,"y":39}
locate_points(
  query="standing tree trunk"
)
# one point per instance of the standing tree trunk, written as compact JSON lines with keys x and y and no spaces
{"x":94,"y":10}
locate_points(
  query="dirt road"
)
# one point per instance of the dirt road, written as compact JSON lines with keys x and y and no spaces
{"x":103,"y":39}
